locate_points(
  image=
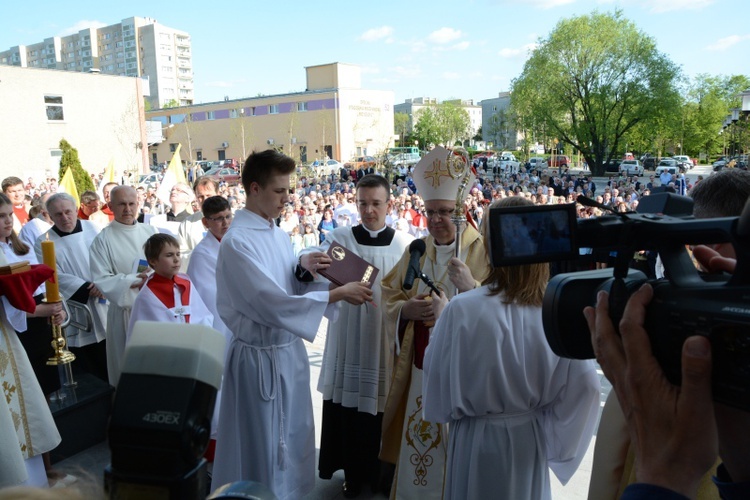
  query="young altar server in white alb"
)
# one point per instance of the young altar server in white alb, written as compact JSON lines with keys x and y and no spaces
{"x":358,"y":356}
{"x":515,"y":409}
{"x":266,"y":431}
{"x":168,"y":296}
{"x":217,"y":216}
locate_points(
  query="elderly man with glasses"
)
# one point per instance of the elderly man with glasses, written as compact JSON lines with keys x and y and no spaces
{"x":410,"y":314}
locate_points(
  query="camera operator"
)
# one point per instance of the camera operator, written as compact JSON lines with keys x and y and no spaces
{"x":677,"y":432}
{"x":721,"y":195}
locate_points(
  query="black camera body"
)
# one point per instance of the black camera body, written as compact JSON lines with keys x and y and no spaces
{"x":685,"y":302}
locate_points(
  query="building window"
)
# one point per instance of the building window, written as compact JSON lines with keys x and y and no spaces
{"x":273,"y":109}
{"x":301,"y":106}
{"x":210,"y":115}
{"x":54,"y":104}
{"x":233,"y":113}
{"x":172,"y":147}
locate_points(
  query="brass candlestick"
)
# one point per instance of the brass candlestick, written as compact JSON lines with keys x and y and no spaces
{"x":62,"y":356}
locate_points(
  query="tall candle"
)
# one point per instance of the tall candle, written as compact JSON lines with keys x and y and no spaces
{"x":48,"y":257}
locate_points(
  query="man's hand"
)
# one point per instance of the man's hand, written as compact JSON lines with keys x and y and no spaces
{"x":95,"y":292}
{"x":314,"y":262}
{"x":355,"y":293}
{"x":438,"y":304}
{"x":418,"y":308}
{"x":139,"y":284}
{"x":672,"y":428}
{"x":460,"y":275}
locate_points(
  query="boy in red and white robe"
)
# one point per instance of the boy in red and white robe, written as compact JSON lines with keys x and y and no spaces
{"x":168,"y":295}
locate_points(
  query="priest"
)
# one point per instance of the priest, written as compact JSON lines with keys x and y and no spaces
{"x":73,"y":238}
{"x":358,"y":357}
{"x":416,"y":446}
{"x":118,"y":268}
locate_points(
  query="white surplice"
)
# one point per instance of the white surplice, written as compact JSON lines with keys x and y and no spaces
{"x":202,"y":272}
{"x":190,"y":232}
{"x":514,"y":407}
{"x":358,"y":359}
{"x":266,"y":429}
{"x":112,"y":256}
{"x":32,"y":229}
{"x":148,"y":307}
{"x":73,"y":271}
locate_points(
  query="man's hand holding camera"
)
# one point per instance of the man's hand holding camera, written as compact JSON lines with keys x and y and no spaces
{"x":677,"y":432}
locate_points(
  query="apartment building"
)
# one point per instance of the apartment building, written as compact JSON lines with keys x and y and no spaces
{"x":498,"y":127}
{"x":137,"y":46}
{"x":332,"y":117}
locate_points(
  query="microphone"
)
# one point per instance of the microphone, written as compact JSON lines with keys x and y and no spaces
{"x":416,"y":249}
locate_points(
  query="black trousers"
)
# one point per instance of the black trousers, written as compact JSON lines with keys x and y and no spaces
{"x":350,"y":440}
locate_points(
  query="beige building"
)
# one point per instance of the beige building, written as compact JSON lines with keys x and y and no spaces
{"x":136,"y":46}
{"x":332,"y":117}
{"x":102,"y":116}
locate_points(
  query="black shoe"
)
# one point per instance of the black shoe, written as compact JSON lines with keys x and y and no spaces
{"x":351,"y":489}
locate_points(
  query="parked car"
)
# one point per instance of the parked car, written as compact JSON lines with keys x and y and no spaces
{"x":649,"y":161}
{"x":685,"y":160}
{"x":720,"y":163}
{"x":559,"y":161}
{"x":148,"y":180}
{"x":326,"y":167}
{"x":361,"y":161}
{"x":668,"y":164}
{"x":612,"y":166}
{"x":631,"y":167}
{"x":537,"y":163}
{"x":227,"y":174}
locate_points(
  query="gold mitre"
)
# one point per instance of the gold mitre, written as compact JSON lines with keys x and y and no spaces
{"x":440,"y":173}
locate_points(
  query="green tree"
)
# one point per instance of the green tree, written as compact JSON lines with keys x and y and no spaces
{"x":592,"y":81}
{"x":401,"y":126}
{"x":70,"y":159}
{"x":446,"y":123}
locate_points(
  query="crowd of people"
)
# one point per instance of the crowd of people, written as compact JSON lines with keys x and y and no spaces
{"x":441,"y":388}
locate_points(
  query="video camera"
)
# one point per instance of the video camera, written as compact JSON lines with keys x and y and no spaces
{"x":685,"y":303}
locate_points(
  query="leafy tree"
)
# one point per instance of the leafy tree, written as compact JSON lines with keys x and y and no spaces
{"x":172,"y":103}
{"x":592,"y":81}
{"x":401,"y":126}
{"x":70,"y":159}
{"x":446,"y":123}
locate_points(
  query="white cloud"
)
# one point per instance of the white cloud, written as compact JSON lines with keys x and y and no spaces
{"x":523,"y":51}
{"x":727,"y":42}
{"x":451,"y":75}
{"x":375,"y":34}
{"x":80,"y":25}
{"x":461,"y":45}
{"x":672,"y":5}
{"x":407,"y":71}
{"x":444,"y":35}
{"x":538,"y":4}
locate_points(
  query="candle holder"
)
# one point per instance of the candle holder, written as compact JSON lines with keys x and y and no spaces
{"x":62,"y":356}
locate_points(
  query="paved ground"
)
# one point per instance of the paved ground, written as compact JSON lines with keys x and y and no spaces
{"x":91,"y":462}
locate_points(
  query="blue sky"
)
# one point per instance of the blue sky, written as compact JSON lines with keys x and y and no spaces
{"x":439,"y":48}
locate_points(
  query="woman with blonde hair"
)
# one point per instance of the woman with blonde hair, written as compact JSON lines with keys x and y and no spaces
{"x":515,"y":408}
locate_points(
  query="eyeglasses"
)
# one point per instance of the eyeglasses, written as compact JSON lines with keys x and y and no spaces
{"x":443,"y":213}
{"x":221,"y":218}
